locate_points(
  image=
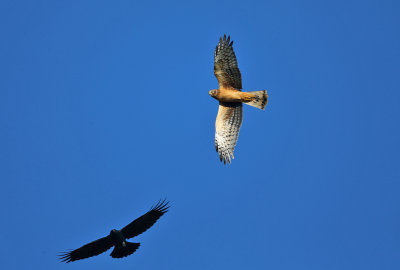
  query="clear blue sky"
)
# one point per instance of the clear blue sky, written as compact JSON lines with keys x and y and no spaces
{"x":104,"y":109}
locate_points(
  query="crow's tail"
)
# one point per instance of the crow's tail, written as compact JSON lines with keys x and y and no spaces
{"x":123,"y":251}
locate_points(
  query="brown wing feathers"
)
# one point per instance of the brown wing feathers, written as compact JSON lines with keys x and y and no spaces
{"x":227,"y":127}
{"x":226,"y":68}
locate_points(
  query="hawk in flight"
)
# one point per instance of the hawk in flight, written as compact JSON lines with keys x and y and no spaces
{"x":117,"y":238}
{"x":230,"y":97}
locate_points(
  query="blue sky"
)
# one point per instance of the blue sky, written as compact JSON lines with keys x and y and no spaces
{"x":104,"y":109}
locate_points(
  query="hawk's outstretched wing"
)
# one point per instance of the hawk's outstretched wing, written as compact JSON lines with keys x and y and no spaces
{"x":141,"y":224}
{"x":225,"y":65}
{"x":92,"y":249}
{"x":227,"y":126}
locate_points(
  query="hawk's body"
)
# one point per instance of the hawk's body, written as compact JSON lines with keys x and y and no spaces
{"x":230,"y":97}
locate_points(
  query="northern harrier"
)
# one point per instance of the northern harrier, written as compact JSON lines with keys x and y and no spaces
{"x":117,"y":238}
{"x":230,"y":112}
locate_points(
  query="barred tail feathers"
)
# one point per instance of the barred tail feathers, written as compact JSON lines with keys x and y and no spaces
{"x":259,"y":100}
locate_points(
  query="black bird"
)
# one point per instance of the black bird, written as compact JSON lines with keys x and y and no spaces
{"x":117,"y":238}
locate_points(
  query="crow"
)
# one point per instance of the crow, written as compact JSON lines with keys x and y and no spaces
{"x":117,"y":238}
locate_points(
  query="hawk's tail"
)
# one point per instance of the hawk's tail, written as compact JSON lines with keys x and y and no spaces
{"x":259,"y":99}
{"x":123,"y":251}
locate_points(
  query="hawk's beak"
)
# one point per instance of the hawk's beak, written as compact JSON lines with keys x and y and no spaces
{"x":210,"y":93}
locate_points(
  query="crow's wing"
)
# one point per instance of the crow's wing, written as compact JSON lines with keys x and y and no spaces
{"x":141,"y":224}
{"x":92,"y":249}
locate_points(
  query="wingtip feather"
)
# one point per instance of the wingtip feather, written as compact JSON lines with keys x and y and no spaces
{"x":161,"y":206}
{"x":65,"y":256}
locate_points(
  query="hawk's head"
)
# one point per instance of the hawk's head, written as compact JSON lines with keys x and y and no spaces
{"x":213,"y":93}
